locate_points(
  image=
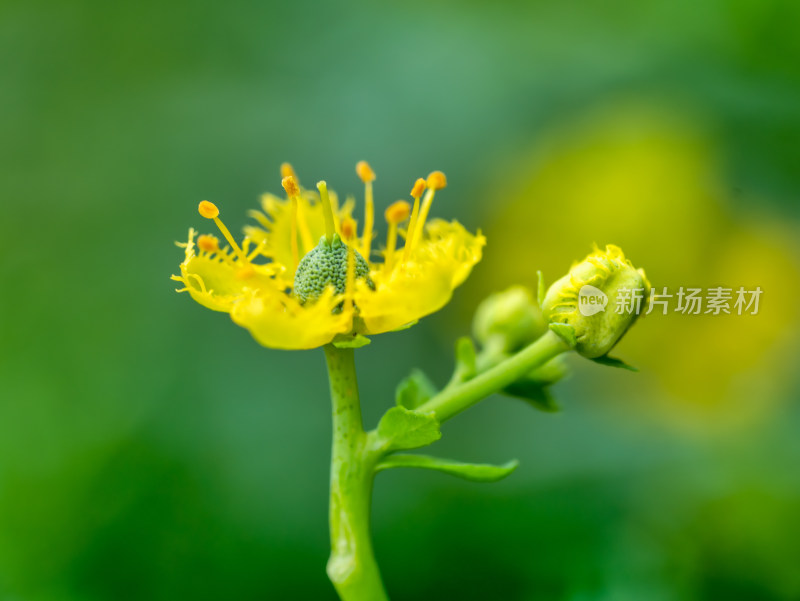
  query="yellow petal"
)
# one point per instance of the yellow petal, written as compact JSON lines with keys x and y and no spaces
{"x":450,"y":243}
{"x":279,"y":321}
{"x":217,"y":282}
{"x":424,"y":283}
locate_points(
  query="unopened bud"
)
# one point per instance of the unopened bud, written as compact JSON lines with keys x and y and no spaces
{"x":512,"y":316}
{"x":600,"y":298}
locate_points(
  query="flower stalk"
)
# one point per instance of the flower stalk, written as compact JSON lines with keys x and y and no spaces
{"x":352,"y":567}
{"x":454,"y":400}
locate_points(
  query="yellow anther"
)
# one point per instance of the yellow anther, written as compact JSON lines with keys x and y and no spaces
{"x":208,"y":243}
{"x":245,"y":272}
{"x":208,"y":209}
{"x":288,"y":171}
{"x":419,"y":188}
{"x":289,"y":183}
{"x":327,"y":209}
{"x":437,"y":180}
{"x":365,"y":172}
{"x":349,"y":228}
{"x":397,"y":212}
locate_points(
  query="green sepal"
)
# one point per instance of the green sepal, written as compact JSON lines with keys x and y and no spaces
{"x":536,"y":394}
{"x":401,"y":428}
{"x":350,"y":341}
{"x":414,"y":390}
{"x":405,"y":326}
{"x":541,"y":291}
{"x":566,"y":332}
{"x":614,"y":362}
{"x":476,"y":472}
{"x":466,"y":359}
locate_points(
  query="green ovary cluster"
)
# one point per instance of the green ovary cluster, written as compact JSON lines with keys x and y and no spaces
{"x":326,"y":265}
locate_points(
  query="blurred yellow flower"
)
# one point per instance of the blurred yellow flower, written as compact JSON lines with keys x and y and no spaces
{"x":651,"y":182}
{"x":304,"y":277}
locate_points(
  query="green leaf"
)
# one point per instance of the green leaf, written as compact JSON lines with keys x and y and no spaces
{"x":536,"y":394}
{"x":348,"y":341}
{"x":551,"y":372}
{"x":466,"y":367}
{"x":477,"y":472}
{"x":566,"y":332}
{"x":614,"y":362}
{"x":541,"y":291}
{"x":400,"y":428}
{"x":414,"y":390}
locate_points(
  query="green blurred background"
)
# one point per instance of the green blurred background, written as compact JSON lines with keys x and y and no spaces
{"x":149,"y":449}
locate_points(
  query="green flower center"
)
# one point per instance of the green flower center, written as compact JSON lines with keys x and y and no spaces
{"x":326,"y":265}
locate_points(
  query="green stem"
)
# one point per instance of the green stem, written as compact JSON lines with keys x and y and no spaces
{"x":351,"y":567}
{"x":451,"y":401}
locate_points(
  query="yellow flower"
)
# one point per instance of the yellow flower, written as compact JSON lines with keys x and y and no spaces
{"x":303,"y":277}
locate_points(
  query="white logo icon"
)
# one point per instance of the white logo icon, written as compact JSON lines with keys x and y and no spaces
{"x":591,"y":300}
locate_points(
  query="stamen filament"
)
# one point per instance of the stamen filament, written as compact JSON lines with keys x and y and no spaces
{"x":367,"y":175}
{"x":369,"y":219}
{"x":289,"y":184}
{"x":225,"y":232}
{"x":255,"y":252}
{"x":416,"y":193}
{"x":436,"y":181}
{"x":210,"y":211}
{"x":293,"y":234}
{"x":330,"y":229}
{"x":391,"y":245}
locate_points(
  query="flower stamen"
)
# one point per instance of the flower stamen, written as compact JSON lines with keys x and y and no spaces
{"x":208,"y":243}
{"x":349,"y":229}
{"x":210,"y":211}
{"x":416,"y":194}
{"x":436,"y":181}
{"x":289,"y":184}
{"x":367,"y":176}
{"x":288,"y":171}
{"x":395,"y":214}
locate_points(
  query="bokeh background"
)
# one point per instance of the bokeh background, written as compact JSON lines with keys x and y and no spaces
{"x":149,"y":449}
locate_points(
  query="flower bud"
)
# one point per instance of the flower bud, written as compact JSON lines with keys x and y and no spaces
{"x":510,"y":318}
{"x":600,"y":298}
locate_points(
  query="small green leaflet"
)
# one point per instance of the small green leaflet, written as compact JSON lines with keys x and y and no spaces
{"x":534,"y":393}
{"x":466,"y":368}
{"x":414,"y":390}
{"x":401,"y":428}
{"x":476,"y":472}
{"x":614,"y":362}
